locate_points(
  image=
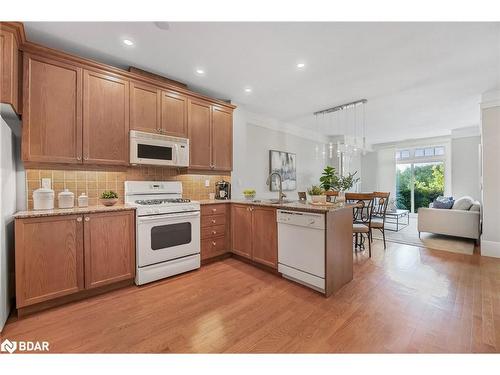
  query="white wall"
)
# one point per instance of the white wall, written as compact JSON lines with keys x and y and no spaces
{"x":490,"y":139}
{"x":254,"y":135}
{"x":465,"y":167}
{"x":7,"y":209}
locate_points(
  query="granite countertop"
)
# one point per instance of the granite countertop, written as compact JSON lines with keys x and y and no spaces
{"x":72,"y":211}
{"x":294,"y":206}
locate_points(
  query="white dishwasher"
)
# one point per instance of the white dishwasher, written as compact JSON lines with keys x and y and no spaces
{"x":301,"y":247}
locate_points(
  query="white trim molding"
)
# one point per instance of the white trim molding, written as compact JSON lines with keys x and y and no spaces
{"x":490,"y":249}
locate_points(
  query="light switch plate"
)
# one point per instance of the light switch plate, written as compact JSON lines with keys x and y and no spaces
{"x":207,"y":183}
{"x":46,"y":183}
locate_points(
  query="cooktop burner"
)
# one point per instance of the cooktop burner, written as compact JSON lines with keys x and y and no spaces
{"x":149,"y":202}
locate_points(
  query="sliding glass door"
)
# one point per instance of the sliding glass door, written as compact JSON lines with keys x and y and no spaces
{"x":418,"y":184}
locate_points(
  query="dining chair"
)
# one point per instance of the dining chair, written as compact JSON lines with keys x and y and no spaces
{"x":362,"y":218}
{"x":379,"y":212}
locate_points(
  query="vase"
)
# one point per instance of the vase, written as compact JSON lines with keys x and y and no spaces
{"x":341,"y":197}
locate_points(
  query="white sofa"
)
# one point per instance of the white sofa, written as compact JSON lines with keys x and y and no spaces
{"x":451,"y":222}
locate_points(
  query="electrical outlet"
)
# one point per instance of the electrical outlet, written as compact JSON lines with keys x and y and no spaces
{"x":207,"y":183}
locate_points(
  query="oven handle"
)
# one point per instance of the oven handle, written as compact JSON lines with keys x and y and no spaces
{"x":143,"y":219}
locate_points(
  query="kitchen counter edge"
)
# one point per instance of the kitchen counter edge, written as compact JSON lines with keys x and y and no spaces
{"x":72,"y":211}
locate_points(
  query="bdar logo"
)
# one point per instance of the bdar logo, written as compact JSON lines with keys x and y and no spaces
{"x":8,"y":346}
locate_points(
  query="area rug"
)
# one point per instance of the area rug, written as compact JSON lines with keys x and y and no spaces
{"x":409,"y":236}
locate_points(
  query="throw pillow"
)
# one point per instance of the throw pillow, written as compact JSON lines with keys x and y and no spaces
{"x":443,"y":203}
{"x":463,"y":203}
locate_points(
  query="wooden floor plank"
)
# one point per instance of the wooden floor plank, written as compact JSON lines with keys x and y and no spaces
{"x":403,"y":299}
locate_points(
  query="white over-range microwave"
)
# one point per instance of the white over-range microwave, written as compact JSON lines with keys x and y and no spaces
{"x":157,"y":149}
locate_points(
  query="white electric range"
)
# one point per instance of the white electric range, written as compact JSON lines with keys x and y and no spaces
{"x":167,"y":229}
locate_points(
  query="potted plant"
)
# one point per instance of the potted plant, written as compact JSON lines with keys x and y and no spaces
{"x":249,"y":194}
{"x":109,"y":198}
{"x":329,"y":180}
{"x":346,"y":183}
{"x":316,"y":194}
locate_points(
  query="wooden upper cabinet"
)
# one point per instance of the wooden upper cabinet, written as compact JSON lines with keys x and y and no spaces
{"x":222,"y":139}
{"x":174,"y":114}
{"x":241,"y":229}
{"x":264,"y":236}
{"x":47,"y":265}
{"x":200,"y":134}
{"x":105,"y":119}
{"x":145,"y":108}
{"x":52,"y":118}
{"x":109,"y":248}
{"x":10,"y":71}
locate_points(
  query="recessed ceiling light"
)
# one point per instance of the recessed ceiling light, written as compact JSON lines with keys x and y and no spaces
{"x":248,"y":90}
{"x":200,"y":71}
{"x":128,"y":42}
{"x":301,"y":65}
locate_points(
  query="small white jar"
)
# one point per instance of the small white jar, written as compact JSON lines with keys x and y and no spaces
{"x":66,"y":199}
{"x":43,"y":199}
{"x":83,"y":200}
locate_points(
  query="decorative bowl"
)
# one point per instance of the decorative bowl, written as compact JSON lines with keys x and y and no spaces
{"x":108,"y":201}
{"x":249,"y":197}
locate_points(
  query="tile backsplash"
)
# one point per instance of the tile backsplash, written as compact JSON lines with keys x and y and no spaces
{"x":93,"y":183}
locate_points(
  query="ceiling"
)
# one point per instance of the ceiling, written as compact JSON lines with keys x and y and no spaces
{"x":420,"y":79}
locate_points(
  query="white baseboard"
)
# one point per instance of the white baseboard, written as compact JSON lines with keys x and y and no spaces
{"x":490,"y":248}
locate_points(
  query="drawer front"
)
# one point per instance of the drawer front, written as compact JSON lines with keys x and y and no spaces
{"x":213,"y":231}
{"x":213,"y":209}
{"x":212,"y":220}
{"x":213,"y":247}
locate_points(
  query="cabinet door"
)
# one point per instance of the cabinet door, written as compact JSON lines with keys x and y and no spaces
{"x":52,"y":118}
{"x":222,"y":139}
{"x":9,"y":70}
{"x":49,"y":258}
{"x":105,"y":119}
{"x":174,"y":114}
{"x":213,"y":247}
{"x":200,"y":139}
{"x":145,"y":112}
{"x":109,"y":248}
{"x":265,"y":236}
{"x":241,"y":228}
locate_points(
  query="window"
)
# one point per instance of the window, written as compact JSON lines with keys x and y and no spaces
{"x":419,"y":152}
{"x":429,"y":151}
{"x":439,"y":151}
{"x":405,"y":154}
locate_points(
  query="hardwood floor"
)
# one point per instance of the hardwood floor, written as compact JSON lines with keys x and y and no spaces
{"x":404,"y":299}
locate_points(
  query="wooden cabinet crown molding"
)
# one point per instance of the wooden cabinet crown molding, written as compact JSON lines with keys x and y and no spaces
{"x":16,"y":28}
{"x":35,"y":48}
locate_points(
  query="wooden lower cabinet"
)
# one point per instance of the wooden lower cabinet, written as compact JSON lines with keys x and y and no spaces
{"x":255,"y":233}
{"x":265,"y":236}
{"x":241,"y":230}
{"x":49,"y":258}
{"x":61,"y":255}
{"x":109,"y":248}
{"x":214,"y":225}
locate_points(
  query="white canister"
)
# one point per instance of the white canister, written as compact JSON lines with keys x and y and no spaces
{"x":66,"y":199}
{"x":43,"y":199}
{"x":83,"y":200}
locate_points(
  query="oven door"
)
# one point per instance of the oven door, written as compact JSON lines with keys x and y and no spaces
{"x":165,"y":237}
{"x":153,"y":152}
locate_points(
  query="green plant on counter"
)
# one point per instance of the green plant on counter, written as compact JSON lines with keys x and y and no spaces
{"x":249,"y":192}
{"x":315,"y":190}
{"x":329,"y":180}
{"x":109,"y":194}
{"x":347,"y":182}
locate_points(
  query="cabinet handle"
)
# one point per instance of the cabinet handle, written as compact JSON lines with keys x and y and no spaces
{"x":85,"y":158}
{"x":214,"y":232}
{"x":79,"y":219}
{"x":213,"y":243}
{"x":87,"y":218}
{"x":213,"y":221}
{"x":78,"y":158}
{"x":214,"y":210}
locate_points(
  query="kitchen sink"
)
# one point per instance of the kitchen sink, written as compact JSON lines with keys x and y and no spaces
{"x":275,"y":201}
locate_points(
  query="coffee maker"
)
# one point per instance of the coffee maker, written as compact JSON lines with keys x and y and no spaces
{"x":222,"y":190}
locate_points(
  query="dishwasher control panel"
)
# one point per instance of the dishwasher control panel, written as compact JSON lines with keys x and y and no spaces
{"x":301,"y":219}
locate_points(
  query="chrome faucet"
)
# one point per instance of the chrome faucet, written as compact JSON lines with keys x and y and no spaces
{"x":268,"y":182}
